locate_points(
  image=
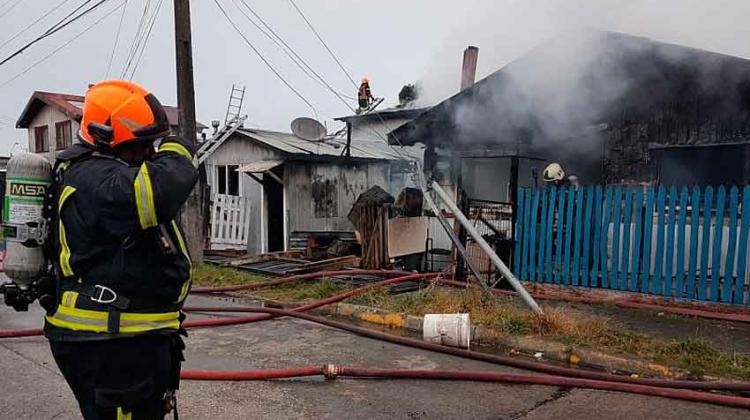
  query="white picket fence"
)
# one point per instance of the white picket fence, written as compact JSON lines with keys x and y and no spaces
{"x":230,"y":221}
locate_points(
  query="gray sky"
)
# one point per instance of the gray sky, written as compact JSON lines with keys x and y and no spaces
{"x":391,"y":41}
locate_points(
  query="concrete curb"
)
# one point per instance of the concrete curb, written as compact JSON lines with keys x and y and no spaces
{"x":526,"y":345}
{"x":483,"y":336}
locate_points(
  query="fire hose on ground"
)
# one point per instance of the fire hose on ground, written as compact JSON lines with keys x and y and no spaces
{"x":333,"y":371}
{"x":553,"y":374}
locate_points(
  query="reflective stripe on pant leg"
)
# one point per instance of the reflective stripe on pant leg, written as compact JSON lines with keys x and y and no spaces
{"x":124,"y":415}
{"x":144,"y":198}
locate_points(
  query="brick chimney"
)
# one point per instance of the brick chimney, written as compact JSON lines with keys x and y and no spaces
{"x":469,"y":68}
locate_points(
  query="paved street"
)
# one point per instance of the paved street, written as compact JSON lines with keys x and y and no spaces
{"x":33,"y":389}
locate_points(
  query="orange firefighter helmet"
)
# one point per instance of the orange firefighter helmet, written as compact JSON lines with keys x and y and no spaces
{"x":117,"y":112}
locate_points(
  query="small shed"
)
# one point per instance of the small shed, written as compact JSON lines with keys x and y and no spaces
{"x":280,"y":186}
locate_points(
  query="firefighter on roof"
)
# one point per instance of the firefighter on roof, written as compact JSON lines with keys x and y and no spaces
{"x":365,"y":95}
{"x":121,"y":259}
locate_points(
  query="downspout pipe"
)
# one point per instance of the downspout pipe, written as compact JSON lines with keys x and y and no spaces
{"x":528,"y":300}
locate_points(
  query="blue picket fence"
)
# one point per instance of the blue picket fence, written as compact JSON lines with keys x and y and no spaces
{"x":677,"y":243}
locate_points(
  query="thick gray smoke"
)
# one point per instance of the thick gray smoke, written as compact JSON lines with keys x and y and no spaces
{"x":559,"y":95}
{"x":506,"y":29}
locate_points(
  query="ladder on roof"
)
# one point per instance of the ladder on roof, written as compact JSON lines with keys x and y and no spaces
{"x":234,"y":108}
{"x":210,"y":145}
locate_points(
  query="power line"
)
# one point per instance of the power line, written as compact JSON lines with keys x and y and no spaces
{"x":47,"y":13}
{"x":55,"y":28}
{"x":56,"y":25}
{"x":10,"y":8}
{"x":260,"y":55}
{"x":58,"y":49}
{"x":312,"y":28}
{"x":286,"y":48}
{"x":117,"y":39}
{"x":154,"y":16}
{"x":137,"y":38}
{"x":343,"y":69}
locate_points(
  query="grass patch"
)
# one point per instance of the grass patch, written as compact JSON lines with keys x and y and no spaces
{"x":562,"y":324}
{"x":209,"y":275}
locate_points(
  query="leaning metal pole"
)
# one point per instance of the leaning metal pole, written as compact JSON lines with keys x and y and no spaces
{"x":456,"y":242}
{"x":486,"y":248}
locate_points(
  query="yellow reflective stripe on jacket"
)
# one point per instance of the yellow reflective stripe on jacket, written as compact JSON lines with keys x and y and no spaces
{"x":144,"y":198}
{"x":183,"y":247}
{"x":124,"y":415}
{"x":69,"y":299}
{"x":176,"y":148}
{"x":64,"y":248}
{"x":96,"y":321}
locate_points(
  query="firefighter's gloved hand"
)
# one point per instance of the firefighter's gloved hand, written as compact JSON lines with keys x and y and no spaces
{"x":46,"y":289}
{"x":176,"y":140}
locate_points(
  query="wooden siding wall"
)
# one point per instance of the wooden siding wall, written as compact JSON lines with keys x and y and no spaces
{"x":329,"y":189}
{"x":237,"y":152}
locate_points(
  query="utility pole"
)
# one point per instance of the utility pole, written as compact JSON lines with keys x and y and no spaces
{"x":193,"y":214}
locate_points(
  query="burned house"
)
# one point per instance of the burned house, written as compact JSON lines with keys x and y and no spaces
{"x":610,"y":107}
{"x":271,"y":189}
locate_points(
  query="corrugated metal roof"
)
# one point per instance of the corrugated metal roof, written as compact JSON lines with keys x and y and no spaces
{"x":289,"y":143}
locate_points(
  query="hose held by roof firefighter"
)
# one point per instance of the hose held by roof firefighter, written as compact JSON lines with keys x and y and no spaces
{"x":96,"y":238}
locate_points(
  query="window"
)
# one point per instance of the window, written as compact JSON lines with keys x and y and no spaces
{"x":63,"y":135}
{"x":233,"y":180}
{"x":41,"y":139}
{"x":228,"y":179}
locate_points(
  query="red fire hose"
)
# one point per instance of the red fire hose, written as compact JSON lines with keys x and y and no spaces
{"x":491,"y":358}
{"x":303,"y":308}
{"x":266,"y":313}
{"x":331,"y":372}
{"x":262,"y":317}
{"x":720,"y":316}
{"x":299,"y":277}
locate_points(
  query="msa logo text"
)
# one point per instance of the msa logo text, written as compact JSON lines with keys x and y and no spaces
{"x":27,"y":190}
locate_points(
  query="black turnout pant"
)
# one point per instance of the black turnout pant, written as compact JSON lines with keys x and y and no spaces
{"x":122,"y":378}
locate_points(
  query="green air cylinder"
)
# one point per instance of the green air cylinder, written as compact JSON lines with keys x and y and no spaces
{"x":27,"y":181}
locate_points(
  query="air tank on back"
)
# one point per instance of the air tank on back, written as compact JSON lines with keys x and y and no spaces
{"x":28,"y":178}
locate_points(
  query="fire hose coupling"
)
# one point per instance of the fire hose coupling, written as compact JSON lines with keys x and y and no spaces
{"x":331,"y":371}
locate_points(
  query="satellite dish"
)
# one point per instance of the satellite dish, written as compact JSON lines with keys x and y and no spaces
{"x":308,"y":129}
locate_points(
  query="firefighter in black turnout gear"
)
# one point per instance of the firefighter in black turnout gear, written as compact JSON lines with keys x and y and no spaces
{"x":121,"y":259}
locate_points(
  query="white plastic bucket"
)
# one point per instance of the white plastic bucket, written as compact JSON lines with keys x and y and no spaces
{"x":447,"y":329}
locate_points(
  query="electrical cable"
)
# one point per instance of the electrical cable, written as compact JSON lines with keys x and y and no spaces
{"x":55,"y":51}
{"x":22,"y":31}
{"x":154,"y":17}
{"x":55,"y":28}
{"x":286,"y":48}
{"x":117,"y":39}
{"x":138,"y":37}
{"x":312,"y":28}
{"x":12,"y":6}
{"x":260,"y":55}
{"x":64,"y":19}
